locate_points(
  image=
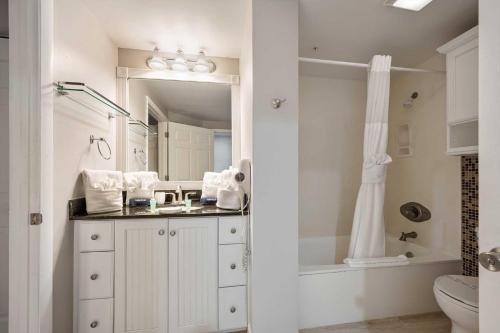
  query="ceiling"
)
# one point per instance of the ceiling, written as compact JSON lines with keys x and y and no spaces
{"x":213,"y":25}
{"x":355,"y":30}
{"x":199,"y":100}
{"x":348,"y":30}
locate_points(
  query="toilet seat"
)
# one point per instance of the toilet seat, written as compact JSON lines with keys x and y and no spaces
{"x":460,"y":290}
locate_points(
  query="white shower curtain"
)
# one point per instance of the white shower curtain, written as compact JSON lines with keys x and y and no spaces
{"x":368,"y":231}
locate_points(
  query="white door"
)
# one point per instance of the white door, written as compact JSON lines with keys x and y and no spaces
{"x":4,"y":178}
{"x":192,"y":275}
{"x":489,"y":159}
{"x":141,"y":289}
{"x":30,"y":165}
{"x":190,"y":151}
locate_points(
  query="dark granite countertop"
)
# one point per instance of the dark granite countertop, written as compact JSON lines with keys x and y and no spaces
{"x":143,"y":212}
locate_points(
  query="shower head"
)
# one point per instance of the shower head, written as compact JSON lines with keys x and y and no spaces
{"x":408,"y":104}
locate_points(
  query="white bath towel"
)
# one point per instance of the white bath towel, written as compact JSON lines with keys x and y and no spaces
{"x":140,"y":184}
{"x":211,"y":182}
{"x":377,"y":262}
{"x":103,"y":190}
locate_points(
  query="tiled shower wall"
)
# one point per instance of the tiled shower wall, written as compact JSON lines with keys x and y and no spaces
{"x":470,"y":214}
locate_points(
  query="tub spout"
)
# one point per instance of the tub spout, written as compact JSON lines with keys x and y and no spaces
{"x":406,"y":235}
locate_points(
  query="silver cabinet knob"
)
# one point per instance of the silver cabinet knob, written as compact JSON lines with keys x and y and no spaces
{"x":491,"y":260}
{"x":233,"y":266}
{"x":94,"y":277}
{"x":233,"y":230}
{"x":233,"y":309}
{"x":94,"y":324}
{"x":161,"y":232}
{"x":172,"y":233}
{"x":94,"y":237}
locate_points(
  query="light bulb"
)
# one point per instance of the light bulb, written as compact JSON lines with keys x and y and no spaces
{"x":202,"y":65}
{"x":156,"y":62}
{"x":179,"y":63}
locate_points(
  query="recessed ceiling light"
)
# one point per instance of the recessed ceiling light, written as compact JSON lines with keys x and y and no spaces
{"x":414,"y":5}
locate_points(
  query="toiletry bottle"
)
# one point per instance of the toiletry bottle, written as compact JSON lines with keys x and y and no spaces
{"x":152,"y":205}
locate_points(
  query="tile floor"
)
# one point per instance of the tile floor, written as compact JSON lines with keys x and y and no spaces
{"x":425,"y":323}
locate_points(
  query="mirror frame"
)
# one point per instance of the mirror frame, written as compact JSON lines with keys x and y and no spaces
{"x":124,"y":74}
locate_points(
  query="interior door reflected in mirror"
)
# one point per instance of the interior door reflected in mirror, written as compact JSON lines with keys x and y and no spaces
{"x":181,"y":129}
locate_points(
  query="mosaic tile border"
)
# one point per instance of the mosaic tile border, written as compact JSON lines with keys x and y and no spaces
{"x":470,"y":214}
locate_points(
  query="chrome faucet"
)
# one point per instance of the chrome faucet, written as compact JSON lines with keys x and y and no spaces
{"x":178,"y":191}
{"x":406,"y":235}
{"x":188,"y":194}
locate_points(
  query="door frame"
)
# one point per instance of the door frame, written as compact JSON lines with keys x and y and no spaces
{"x":31,"y":164}
{"x":124,"y":74}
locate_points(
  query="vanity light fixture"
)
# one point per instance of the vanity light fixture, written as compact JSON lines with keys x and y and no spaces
{"x":156,"y":62}
{"x":201,"y":65}
{"x":179,"y":63}
{"x":414,"y":5}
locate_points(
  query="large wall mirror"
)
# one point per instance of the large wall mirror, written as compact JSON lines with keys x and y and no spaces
{"x":181,"y":128}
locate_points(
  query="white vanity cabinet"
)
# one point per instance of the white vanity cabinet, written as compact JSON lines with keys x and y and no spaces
{"x":159,"y":275}
{"x":141,"y":268}
{"x":462,"y":93}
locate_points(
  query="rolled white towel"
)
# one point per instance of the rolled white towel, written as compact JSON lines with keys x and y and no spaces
{"x":103,"y":190}
{"x":377,"y":262}
{"x":140,"y":184}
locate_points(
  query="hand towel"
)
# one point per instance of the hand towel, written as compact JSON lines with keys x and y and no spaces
{"x":140,"y":184}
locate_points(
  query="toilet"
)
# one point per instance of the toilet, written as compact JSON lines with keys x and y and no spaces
{"x":458,"y":297}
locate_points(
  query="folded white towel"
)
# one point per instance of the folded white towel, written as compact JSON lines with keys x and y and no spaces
{"x":211,"y":182}
{"x":102,"y":179}
{"x":140,"y":184}
{"x":377,"y":262}
{"x":103,"y":190}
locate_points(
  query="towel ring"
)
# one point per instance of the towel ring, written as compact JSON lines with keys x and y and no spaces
{"x":99,"y":140}
{"x":141,"y":155}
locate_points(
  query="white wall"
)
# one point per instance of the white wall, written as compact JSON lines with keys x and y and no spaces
{"x":82,"y":53}
{"x":331,"y":122}
{"x":4,"y":177}
{"x":430,"y":176}
{"x":269,"y":69}
{"x":489,"y":158}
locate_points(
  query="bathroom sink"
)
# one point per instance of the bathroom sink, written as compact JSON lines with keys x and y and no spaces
{"x":166,"y":210}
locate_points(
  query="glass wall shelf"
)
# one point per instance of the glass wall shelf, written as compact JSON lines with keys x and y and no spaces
{"x":90,"y":97}
{"x":138,"y":127}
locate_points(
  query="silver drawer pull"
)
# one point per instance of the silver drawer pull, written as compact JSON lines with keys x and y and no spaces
{"x":172,"y":233}
{"x":94,"y":237}
{"x":161,"y":232}
{"x":94,"y":277}
{"x":94,"y":324}
{"x":233,"y":230}
{"x":233,"y":266}
{"x":233,"y":309}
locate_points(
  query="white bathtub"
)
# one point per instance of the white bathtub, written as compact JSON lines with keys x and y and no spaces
{"x":332,"y":293}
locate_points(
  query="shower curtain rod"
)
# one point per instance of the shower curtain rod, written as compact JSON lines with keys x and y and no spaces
{"x":361,"y":65}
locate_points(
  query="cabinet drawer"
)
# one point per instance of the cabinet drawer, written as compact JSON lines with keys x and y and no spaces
{"x":95,"y":274}
{"x":95,"y":316}
{"x":232,"y":229}
{"x":231,"y":270}
{"x":96,"y":236}
{"x":232,"y":308}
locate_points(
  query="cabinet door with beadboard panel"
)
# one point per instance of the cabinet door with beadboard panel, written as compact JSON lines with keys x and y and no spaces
{"x":193,"y":266}
{"x":141,"y":275}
